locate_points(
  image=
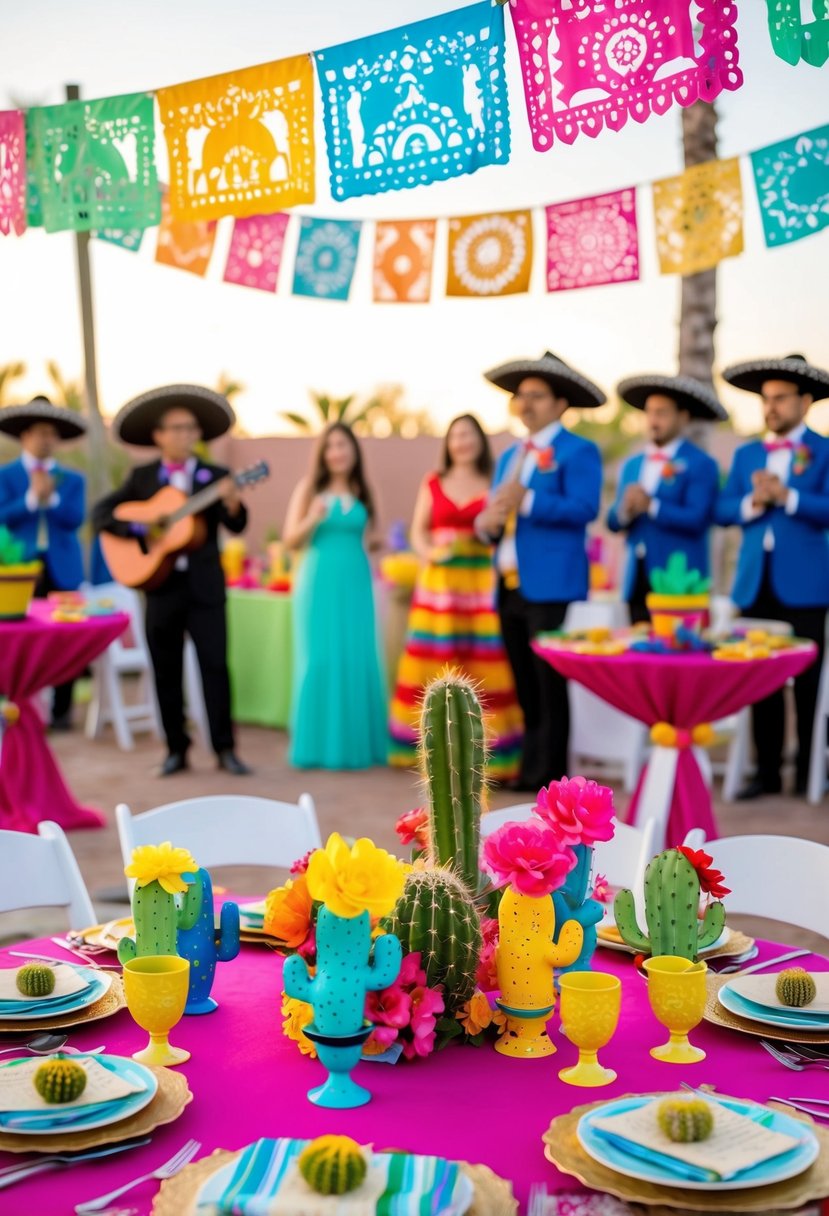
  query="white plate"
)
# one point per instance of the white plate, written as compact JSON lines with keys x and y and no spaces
{"x":119,"y":1108}
{"x":100,"y":982}
{"x":611,"y":944}
{"x":734,"y":1003}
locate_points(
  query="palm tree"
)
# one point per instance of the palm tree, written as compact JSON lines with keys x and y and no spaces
{"x":325,"y":411}
{"x":67,"y":392}
{"x":9,"y":372}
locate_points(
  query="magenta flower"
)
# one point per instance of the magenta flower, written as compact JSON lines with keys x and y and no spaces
{"x":529,"y":856}
{"x":601,"y":889}
{"x":411,"y":973}
{"x":301,"y":864}
{"x":577,"y":810}
{"x":427,"y":1003}
{"x":391,"y":1007}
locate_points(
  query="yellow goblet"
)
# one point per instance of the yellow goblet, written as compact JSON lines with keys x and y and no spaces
{"x":156,"y":991}
{"x":590,"y":1002}
{"x":676,"y":991}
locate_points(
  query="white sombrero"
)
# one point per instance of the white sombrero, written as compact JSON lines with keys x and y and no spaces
{"x":564,"y":380}
{"x":751,"y":376}
{"x":135,"y":422}
{"x":15,"y":419}
{"x":690,"y":394}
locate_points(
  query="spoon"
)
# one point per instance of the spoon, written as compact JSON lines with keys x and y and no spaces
{"x":41,"y":1045}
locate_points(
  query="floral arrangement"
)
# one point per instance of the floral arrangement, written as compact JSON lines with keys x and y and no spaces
{"x":577,"y":810}
{"x":801,"y":459}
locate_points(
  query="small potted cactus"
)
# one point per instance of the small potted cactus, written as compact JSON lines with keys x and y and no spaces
{"x":673,"y":881}
{"x":679,"y":598}
{"x":18,"y":577}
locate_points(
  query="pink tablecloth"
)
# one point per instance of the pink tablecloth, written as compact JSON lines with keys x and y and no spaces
{"x":470,"y":1103}
{"x":684,"y":691}
{"x":34,"y":654}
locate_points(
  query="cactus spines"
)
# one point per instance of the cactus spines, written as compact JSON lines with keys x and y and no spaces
{"x":60,"y":1080}
{"x":452,"y":757}
{"x":158,"y":917}
{"x":205,"y":945}
{"x":436,"y":916}
{"x":795,"y":987}
{"x":671,"y":906}
{"x":333,"y":1165}
{"x":685,"y":1120}
{"x":35,"y":979}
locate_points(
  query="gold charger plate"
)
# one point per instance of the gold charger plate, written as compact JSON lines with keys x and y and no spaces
{"x":177,"y":1197}
{"x":172,"y":1096}
{"x":716,"y":1014}
{"x":562,"y":1147}
{"x":112,"y":1000}
{"x":113,"y":931}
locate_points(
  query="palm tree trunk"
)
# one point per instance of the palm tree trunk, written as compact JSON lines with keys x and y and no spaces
{"x":698,"y":301}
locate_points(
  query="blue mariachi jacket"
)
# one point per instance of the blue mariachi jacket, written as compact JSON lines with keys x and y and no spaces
{"x":686,"y":511}
{"x":551,"y":540}
{"x":799,"y":561}
{"x":64,"y":559}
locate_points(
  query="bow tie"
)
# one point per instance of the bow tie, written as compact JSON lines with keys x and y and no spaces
{"x":529,"y":446}
{"x":662,"y":457}
{"x":39,"y":467}
{"x":171,"y":466}
{"x":778,"y":445}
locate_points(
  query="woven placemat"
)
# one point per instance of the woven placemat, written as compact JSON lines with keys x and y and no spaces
{"x":112,"y":1000}
{"x":177,"y":1197}
{"x":719,"y":1016}
{"x":737,"y":943}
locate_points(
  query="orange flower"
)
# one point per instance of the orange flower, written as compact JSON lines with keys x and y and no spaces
{"x":297,"y":1015}
{"x":288,"y":912}
{"x":475,"y":1015}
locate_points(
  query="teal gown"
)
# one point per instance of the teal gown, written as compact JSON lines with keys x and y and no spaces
{"x":338,"y":712}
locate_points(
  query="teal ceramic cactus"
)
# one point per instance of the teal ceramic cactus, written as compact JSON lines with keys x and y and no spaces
{"x":573,"y":901}
{"x":452,"y":758}
{"x":158,"y":918}
{"x":671,"y":910}
{"x":205,"y":945}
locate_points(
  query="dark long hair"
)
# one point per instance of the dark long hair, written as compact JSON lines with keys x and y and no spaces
{"x":483,"y":463}
{"x":321,"y":477}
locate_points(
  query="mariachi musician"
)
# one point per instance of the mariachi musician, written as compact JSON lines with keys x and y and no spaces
{"x":191,"y":598}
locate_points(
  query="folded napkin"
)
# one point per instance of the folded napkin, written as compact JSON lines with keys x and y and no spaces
{"x":760,"y":990}
{"x":265,"y":1181}
{"x":68,"y":981}
{"x":18,"y":1094}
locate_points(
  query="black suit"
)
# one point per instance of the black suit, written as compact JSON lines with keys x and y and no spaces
{"x":190,"y":601}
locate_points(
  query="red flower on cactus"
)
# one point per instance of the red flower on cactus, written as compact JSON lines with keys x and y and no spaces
{"x":486,"y":977}
{"x":529,"y":856}
{"x":413,"y":827}
{"x":710,"y":880}
{"x":577,"y":810}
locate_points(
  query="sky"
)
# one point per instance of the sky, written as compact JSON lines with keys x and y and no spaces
{"x":156,"y":324}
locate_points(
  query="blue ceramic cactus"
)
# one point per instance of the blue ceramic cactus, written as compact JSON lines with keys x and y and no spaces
{"x":573,"y":902}
{"x":205,"y":945}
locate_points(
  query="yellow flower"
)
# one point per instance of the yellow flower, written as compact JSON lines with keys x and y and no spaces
{"x":352,"y":881}
{"x":163,"y":864}
{"x":475,"y":1015}
{"x":297,"y":1015}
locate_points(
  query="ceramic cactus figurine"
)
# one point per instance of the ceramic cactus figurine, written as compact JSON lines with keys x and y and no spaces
{"x":158,"y":919}
{"x":795,"y":987}
{"x":60,"y":1080}
{"x":35,"y":979}
{"x":452,"y":756}
{"x":205,"y":945}
{"x":437,"y":917}
{"x":333,"y":1165}
{"x":672,"y":892}
{"x":572,"y":902}
{"x":685,"y":1120}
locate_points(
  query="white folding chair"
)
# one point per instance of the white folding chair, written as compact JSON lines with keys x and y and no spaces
{"x":226,"y":829}
{"x":492,"y":820}
{"x":623,"y":859}
{"x":107,"y":704}
{"x":817,"y":760}
{"x":782,"y":878}
{"x":694,"y":839}
{"x":41,"y":872}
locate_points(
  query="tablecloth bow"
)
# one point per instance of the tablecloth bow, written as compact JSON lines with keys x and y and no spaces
{"x":665,"y":735}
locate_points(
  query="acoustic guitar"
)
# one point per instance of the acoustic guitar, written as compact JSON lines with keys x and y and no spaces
{"x":174,"y":526}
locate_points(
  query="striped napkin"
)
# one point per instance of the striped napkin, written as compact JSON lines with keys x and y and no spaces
{"x":265,"y":1181}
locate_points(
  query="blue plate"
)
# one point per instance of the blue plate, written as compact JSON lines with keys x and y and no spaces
{"x":787,"y":1165}
{"x":734,"y":1003}
{"x":25,"y":1011}
{"x":80,"y":1118}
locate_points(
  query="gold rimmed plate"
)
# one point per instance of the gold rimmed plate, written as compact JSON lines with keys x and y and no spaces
{"x":718,"y":1015}
{"x":110,"y":1002}
{"x":732,"y":943}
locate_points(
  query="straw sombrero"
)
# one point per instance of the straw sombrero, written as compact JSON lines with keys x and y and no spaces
{"x":751,"y":376}
{"x":565,"y":381}
{"x":135,"y":422}
{"x":15,"y":419}
{"x":692,"y":395}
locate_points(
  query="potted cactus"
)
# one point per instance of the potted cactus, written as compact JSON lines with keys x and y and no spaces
{"x":166,"y":898}
{"x":679,"y":598}
{"x":673,"y":881}
{"x":18,"y":577}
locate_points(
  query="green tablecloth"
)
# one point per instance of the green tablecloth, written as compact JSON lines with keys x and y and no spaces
{"x":260,"y":656}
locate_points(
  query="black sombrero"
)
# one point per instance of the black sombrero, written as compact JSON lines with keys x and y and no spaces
{"x":564,"y":380}
{"x":690,"y":394}
{"x":135,"y":422}
{"x":751,"y":376}
{"x":15,"y":419}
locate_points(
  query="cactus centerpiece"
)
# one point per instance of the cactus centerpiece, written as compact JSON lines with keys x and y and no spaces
{"x":672,"y":900}
{"x":60,"y":1080}
{"x":35,"y":979}
{"x":205,"y":945}
{"x":333,"y":1165}
{"x":165,"y":900}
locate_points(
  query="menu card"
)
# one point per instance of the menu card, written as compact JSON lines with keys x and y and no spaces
{"x":67,"y":981}
{"x":761,"y":990}
{"x":18,"y":1093}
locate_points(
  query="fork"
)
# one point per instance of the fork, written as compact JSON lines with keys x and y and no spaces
{"x":25,"y":1169}
{"x":788,"y":1061}
{"x":168,"y":1170}
{"x":737,"y":966}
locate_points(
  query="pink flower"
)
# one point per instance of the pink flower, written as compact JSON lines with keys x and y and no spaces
{"x":486,"y":976}
{"x":426,"y":1004}
{"x":578,"y":811}
{"x":391,"y":1007}
{"x":308,"y":948}
{"x":413,"y":827}
{"x":301,"y":864}
{"x":530,"y":856}
{"x":411,"y":973}
{"x":601,"y":889}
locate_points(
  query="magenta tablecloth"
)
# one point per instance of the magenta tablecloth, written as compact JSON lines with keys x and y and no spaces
{"x":684,"y":691}
{"x":38,"y":653}
{"x":473,"y":1104}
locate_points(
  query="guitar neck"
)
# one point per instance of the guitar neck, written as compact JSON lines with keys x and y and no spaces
{"x":199,"y":501}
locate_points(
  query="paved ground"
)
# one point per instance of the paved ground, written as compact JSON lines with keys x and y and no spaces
{"x":359,"y":803}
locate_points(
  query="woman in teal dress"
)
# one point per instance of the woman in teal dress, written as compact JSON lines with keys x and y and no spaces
{"x":338,"y":712}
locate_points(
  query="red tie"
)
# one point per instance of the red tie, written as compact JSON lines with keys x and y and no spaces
{"x":778,"y":445}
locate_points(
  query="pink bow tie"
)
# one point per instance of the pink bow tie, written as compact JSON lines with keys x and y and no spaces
{"x":529,"y":446}
{"x":778,"y":445}
{"x":660,"y":456}
{"x":173,"y":467}
{"x":39,"y":467}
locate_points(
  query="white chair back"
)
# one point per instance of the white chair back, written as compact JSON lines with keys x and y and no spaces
{"x":780,"y":877}
{"x":226,"y":829}
{"x":601,"y":734}
{"x":41,"y":872}
{"x":596,"y":614}
{"x":694,"y":839}
{"x":492,"y":820}
{"x":623,"y":859}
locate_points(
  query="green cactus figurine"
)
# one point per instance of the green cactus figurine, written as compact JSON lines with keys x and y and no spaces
{"x":158,"y":919}
{"x":60,"y":1080}
{"x":685,"y":1120}
{"x":795,"y":987}
{"x":35,"y":979}
{"x":452,"y":759}
{"x":671,"y":911}
{"x":333,"y":1165}
{"x":436,"y":916}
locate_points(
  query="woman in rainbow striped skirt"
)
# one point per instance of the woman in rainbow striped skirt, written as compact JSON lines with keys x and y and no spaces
{"x":453,"y":622}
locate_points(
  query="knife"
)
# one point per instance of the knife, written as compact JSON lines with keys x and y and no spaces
{"x":769,"y":962}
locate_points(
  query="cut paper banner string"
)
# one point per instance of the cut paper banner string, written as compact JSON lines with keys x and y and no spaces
{"x":94,"y":163}
{"x":34,"y":211}
{"x":417,"y":104}
{"x":403,"y":253}
{"x":241,"y":143}
{"x":490,"y":255}
{"x":592,"y":241}
{"x":185,"y":244}
{"x":129,"y":239}
{"x":12,"y":172}
{"x":699,"y":217}
{"x":794,"y":39}
{"x":326,"y":257}
{"x":255,"y":253}
{"x":640,"y":56}
{"x":792,"y":182}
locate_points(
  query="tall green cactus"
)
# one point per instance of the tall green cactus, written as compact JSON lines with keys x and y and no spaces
{"x":452,"y":757}
{"x":671,"y":910}
{"x":158,"y":918}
